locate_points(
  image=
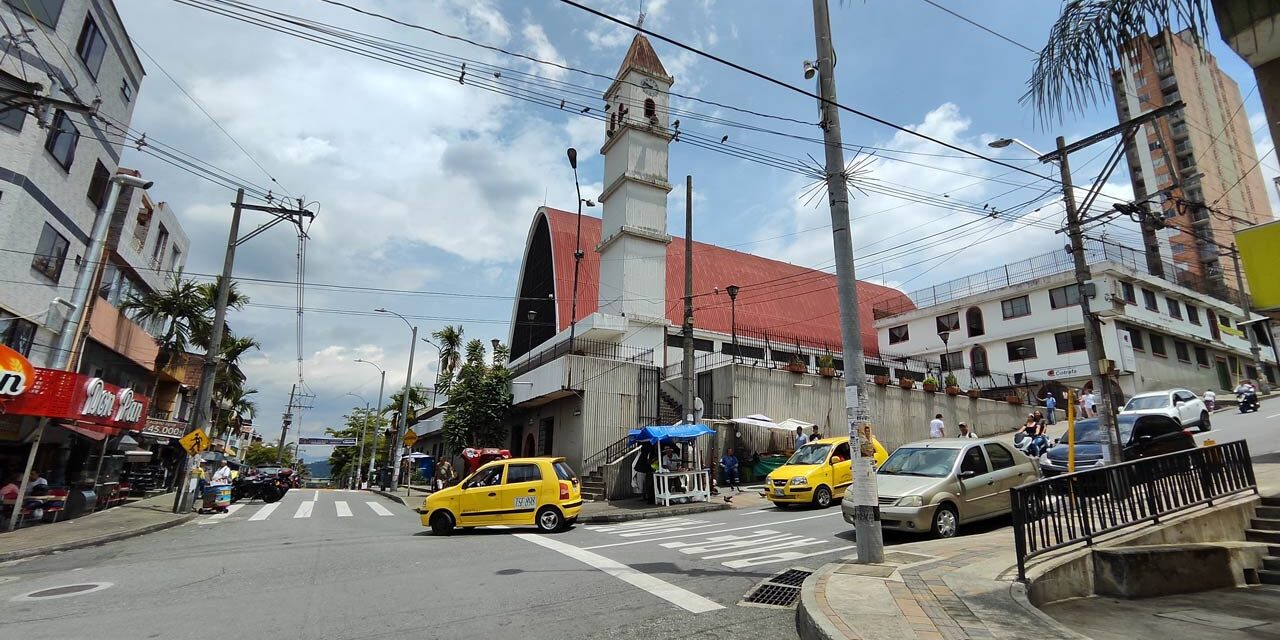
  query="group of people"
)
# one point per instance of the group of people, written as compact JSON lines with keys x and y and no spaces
{"x":938,"y":429}
{"x":803,"y":439}
{"x":1032,"y":437}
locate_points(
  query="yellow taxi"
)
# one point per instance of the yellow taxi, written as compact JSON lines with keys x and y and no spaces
{"x":815,"y":472}
{"x":544,"y":492}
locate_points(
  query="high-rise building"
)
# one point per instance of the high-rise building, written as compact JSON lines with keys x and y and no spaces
{"x":1201,"y":153}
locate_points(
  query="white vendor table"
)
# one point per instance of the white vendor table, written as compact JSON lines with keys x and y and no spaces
{"x":694,"y":485}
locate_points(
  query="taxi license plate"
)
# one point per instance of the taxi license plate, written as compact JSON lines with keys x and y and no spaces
{"x":778,"y":493}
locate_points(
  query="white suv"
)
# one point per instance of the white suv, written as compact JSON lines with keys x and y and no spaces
{"x":1179,"y":404}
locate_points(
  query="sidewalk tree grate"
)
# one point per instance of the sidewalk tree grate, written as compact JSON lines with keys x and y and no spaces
{"x":774,"y":595}
{"x":791,"y":577}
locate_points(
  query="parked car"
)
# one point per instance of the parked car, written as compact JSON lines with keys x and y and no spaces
{"x":816,"y":473}
{"x":1181,"y":405}
{"x":938,"y":485}
{"x":543,"y":492}
{"x":1141,"y":436}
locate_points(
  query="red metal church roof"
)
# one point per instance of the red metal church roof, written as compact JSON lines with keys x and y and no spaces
{"x":777,"y":298}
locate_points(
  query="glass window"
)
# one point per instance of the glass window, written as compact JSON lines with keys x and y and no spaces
{"x":1202,"y":356}
{"x":974,"y":461}
{"x":91,"y":46}
{"x":157,"y":251}
{"x":1069,"y":341}
{"x":1016,"y":307}
{"x":1140,"y":403}
{"x":51,"y":253}
{"x":523,"y":473}
{"x":949,"y":322}
{"x":742,"y":350}
{"x":1182,"y":350}
{"x":62,"y":140}
{"x":1000,"y":457}
{"x":1129,"y":296}
{"x":46,"y":11}
{"x":953,"y":361}
{"x":973,"y":319}
{"x":126,"y":91}
{"x":810,"y":454}
{"x":1175,"y":309}
{"x":1157,"y":345}
{"x":12,"y":116}
{"x":978,"y":359}
{"x":17,"y":333}
{"x":98,"y":185}
{"x":487,"y":477}
{"x":1067,"y":296}
{"x":898,"y":334}
{"x":564,"y":471}
{"x":1135,"y":336}
{"x":842,"y":451}
{"x":1021,"y":349}
{"x":1193,"y":315}
{"x":929,"y":463}
{"x":1149,"y":299}
{"x":1224,"y":320}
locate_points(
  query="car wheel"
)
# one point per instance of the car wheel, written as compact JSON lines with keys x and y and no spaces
{"x":1204,"y":421}
{"x":945,"y":521}
{"x":549,"y":520}
{"x":822,"y":497}
{"x":442,"y":523}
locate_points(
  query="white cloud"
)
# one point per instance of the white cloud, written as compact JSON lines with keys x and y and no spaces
{"x":541,"y":48}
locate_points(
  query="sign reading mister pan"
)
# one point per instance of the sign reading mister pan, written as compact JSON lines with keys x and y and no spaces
{"x":62,"y":395}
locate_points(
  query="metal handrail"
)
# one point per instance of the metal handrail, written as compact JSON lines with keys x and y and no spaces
{"x":605,"y":455}
{"x":584,"y":347}
{"x":1069,"y":509}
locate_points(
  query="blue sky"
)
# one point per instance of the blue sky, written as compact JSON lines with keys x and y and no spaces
{"x":428,"y":185}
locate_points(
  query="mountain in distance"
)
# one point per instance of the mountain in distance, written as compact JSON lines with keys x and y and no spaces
{"x":318,"y":469}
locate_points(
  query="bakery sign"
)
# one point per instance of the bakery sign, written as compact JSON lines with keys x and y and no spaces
{"x":63,"y":395}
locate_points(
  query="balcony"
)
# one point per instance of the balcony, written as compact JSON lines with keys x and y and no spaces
{"x":1171,"y":98}
{"x":1182,"y":147}
{"x":1168,"y":81}
{"x":117,"y":332}
{"x":584,"y":347}
{"x":1180,"y":130}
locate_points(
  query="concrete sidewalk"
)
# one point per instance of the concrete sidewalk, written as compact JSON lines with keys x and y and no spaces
{"x":126,"y":521}
{"x":964,"y":587}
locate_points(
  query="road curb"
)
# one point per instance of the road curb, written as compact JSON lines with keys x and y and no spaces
{"x":811,"y":625}
{"x":388,"y":494}
{"x":682,"y":510}
{"x":99,"y":540}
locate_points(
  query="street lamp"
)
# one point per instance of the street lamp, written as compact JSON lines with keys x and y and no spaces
{"x":1004,"y":142}
{"x":946,"y":354}
{"x":372,"y":448}
{"x":404,"y":401}
{"x":1022,"y":355}
{"x":355,"y":471}
{"x":577,"y":248}
{"x":531,"y":315}
{"x":733,"y":290}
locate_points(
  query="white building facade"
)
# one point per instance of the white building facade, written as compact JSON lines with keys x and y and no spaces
{"x":1028,"y":322}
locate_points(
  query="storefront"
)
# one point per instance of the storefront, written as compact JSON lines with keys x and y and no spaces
{"x":69,"y":429}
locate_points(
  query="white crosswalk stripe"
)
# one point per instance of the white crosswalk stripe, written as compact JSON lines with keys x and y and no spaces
{"x":230,"y":510}
{"x":343,"y":510}
{"x":304,"y":509}
{"x":265,"y":512}
{"x":379,"y":509}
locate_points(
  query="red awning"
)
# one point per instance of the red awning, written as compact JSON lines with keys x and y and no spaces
{"x":90,"y":431}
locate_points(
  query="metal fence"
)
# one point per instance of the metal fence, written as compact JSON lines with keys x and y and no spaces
{"x":584,"y":347}
{"x":1061,"y":511}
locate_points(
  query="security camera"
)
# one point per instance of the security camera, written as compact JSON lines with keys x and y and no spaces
{"x":127,"y":180}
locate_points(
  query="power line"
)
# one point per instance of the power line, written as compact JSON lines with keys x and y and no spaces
{"x":984,"y":28}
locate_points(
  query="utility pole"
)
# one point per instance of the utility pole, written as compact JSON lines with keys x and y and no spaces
{"x":687,"y":368}
{"x":866,"y":510}
{"x":373,"y":446}
{"x":286,"y":420}
{"x":1092,"y":330}
{"x":397,"y":450}
{"x":208,"y":374}
{"x":1254,"y":350}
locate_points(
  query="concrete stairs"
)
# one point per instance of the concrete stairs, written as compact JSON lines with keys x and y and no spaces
{"x":1266,"y":528}
{"x":670,"y":411}
{"x":593,"y":487}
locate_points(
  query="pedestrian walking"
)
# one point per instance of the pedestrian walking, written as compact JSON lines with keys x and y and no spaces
{"x":729,"y":465}
{"x":814,"y":436}
{"x":1090,"y":404}
{"x":965,"y":432}
{"x":801,"y":439}
{"x":936,"y":428}
{"x":1051,"y":404}
{"x":646,"y":465}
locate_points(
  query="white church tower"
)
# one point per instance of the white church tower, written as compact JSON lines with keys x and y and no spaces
{"x":633,"y":249}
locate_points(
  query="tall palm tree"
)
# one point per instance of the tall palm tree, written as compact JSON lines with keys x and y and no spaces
{"x":233,"y":408}
{"x":1073,"y":71}
{"x":176,"y":307}
{"x":450,"y":341}
{"x":202,"y":324}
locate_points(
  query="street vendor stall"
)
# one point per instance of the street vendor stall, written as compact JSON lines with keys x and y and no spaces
{"x":684,"y":483}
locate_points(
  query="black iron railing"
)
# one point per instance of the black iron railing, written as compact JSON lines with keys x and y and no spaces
{"x":606,"y":455}
{"x":1057,"y":512}
{"x":584,"y":347}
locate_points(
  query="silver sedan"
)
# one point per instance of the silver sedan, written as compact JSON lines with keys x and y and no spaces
{"x":938,"y":485}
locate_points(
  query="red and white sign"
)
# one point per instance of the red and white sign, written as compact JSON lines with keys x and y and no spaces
{"x":63,"y":395}
{"x":16,"y":373}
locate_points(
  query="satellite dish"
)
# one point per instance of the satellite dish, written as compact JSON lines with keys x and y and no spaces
{"x":697,"y":409}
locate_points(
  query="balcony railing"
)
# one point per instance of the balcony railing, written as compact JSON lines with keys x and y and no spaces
{"x":584,"y":347}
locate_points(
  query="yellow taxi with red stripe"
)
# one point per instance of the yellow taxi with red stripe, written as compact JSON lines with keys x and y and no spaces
{"x":540,"y":492}
{"x":815,"y":473}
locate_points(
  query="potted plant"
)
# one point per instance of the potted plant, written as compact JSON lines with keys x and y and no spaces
{"x":906,"y":382}
{"x":975,"y":393}
{"x":931,"y":384}
{"x":1013,"y":399}
{"x":797,"y":365}
{"x":881,"y":381}
{"x":827,"y":366}
{"x":952,"y":385}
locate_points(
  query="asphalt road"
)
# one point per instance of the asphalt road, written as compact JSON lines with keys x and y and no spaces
{"x":347,"y":565}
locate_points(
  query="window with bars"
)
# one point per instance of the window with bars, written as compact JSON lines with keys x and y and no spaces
{"x":953,"y":361}
{"x":1021,"y":349}
{"x":1135,"y":337}
{"x":1157,"y":345}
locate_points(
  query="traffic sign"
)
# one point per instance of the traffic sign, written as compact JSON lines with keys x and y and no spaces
{"x":329,"y":442}
{"x":409,"y":438}
{"x":194,"y":442}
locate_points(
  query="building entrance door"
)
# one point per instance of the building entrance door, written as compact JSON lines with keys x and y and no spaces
{"x":1224,"y":374}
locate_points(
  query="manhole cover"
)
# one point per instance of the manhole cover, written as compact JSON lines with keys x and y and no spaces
{"x":782,"y":590}
{"x":64,"y":591}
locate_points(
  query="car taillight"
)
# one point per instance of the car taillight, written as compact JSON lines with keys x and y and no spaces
{"x":564,"y":491}
{"x":1187,"y":432}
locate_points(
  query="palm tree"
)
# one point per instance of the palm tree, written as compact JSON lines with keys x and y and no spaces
{"x":1088,"y":41}
{"x":233,"y":408}
{"x":176,"y":307}
{"x":202,"y":323}
{"x":450,"y":339}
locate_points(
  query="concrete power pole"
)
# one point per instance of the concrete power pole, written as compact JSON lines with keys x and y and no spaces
{"x":285,"y":421}
{"x":866,"y":508}
{"x":687,"y":366}
{"x":1092,"y":330}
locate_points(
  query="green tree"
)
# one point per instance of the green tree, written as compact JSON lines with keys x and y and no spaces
{"x":450,"y":340}
{"x":479,"y":401}
{"x":1073,"y":71}
{"x":175,"y":307}
{"x":341,"y":458}
{"x":420,"y":397}
{"x":261,"y":455}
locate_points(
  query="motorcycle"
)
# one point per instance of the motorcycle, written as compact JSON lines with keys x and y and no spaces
{"x":1248,"y":401}
{"x":265,"y":487}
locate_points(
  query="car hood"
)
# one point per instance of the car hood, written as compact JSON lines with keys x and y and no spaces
{"x":1166,"y":411}
{"x":442,"y":496}
{"x":1087,"y":453}
{"x":788,"y":471}
{"x":897,"y":486}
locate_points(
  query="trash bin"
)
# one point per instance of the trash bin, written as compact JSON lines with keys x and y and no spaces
{"x":427,"y":469}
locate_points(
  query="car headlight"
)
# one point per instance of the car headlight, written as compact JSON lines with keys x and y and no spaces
{"x":910,"y":501}
{"x":800,"y":480}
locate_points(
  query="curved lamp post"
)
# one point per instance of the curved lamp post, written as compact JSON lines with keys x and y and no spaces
{"x":404,"y":401}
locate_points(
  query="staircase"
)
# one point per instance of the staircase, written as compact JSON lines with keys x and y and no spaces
{"x":593,"y":486}
{"x":670,"y":411}
{"x":1266,"y":528}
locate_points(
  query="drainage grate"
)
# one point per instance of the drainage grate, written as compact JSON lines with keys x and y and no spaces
{"x":774,"y":595}
{"x":791,"y":577}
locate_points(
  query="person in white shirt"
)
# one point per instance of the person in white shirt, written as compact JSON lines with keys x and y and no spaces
{"x":965,"y":432}
{"x":801,"y":439}
{"x":222,"y":475}
{"x":936,"y":428}
{"x":1090,"y":402}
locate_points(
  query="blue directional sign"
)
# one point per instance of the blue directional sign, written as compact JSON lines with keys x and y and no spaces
{"x":328,"y":442}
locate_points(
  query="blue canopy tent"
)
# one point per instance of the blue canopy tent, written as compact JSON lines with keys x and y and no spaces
{"x":658,"y":434}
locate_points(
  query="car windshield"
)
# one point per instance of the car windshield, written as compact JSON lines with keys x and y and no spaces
{"x":1088,"y":431}
{"x":932,"y":463}
{"x":1147,"y":402}
{"x":810,"y":454}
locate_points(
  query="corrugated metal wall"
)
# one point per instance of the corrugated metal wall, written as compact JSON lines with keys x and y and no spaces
{"x":610,"y":405}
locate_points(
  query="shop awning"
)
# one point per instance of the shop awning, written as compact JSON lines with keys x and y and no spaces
{"x":87,"y":432}
{"x":678,"y":433}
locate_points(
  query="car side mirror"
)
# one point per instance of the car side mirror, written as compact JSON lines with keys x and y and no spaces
{"x":967,"y":474}
{"x":1179,"y":403}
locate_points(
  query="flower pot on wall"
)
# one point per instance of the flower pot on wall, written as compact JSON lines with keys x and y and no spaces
{"x":827,"y":372}
{"x":906,"y":383}
{"x":953,"y":391}
{"x":797,"y":367}
{"x":930,"y":387}
{"x":881,"y":381}
{"x":1013,"y":399}
{"x":975,"y":393}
